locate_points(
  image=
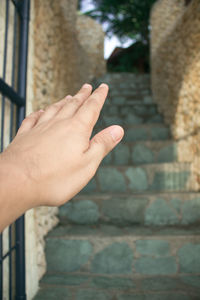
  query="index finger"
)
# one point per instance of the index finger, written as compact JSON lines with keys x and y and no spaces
{"x":89,"y":112}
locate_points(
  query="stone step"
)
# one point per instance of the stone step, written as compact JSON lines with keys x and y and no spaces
{"x":74,"y":286}
{"x":153,"y":209}
{"x":128,"y":102}
{"x":143,"y":132}
{"x":129,"y":114}
{"x":136,"y":153}
{"x":166,"y":177}
{"x":123,"y":110}
{"x":135,"y":93}
{"x":132,"y":85}
{"x":130,"y":119}
{"x":118,"y":98}
{"x":124,"y":80}
{"x":111,"y":250}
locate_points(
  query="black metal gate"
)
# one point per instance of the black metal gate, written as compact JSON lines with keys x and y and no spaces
{"x":14,"y":20}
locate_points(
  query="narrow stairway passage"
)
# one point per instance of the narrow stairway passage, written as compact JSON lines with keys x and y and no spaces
{"x":133,"y":232}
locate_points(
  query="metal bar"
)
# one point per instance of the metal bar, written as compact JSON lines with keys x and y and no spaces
{"x":4,"y":72}
{"x":11,"y":137}
{"x":9,"y":92}
{"x":15,"y":4}
{"x":13,"y":73}
{"x":2,"y":129}
{"x":8,"y":253}
{"x":22,"y":76}
{"x":10,"y":262}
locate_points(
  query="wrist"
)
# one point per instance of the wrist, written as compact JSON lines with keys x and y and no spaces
{"x":14,"y":196}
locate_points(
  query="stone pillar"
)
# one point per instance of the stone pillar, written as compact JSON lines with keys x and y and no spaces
{"x":175,"y":63}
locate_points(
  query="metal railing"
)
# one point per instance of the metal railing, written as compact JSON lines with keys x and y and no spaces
{"x":14,"y":24}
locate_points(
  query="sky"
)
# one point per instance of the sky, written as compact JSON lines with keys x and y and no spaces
{"x":110,"y":43}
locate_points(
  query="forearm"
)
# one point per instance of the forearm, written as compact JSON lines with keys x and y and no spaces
{"x":13,"y":198}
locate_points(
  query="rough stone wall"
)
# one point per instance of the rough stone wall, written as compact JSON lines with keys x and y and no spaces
{"x":91,"y":47}
{"x":175,"y":62}
{"x":68,"y":51}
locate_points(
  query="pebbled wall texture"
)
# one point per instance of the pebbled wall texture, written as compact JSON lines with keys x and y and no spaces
{"x":175,"y":62}
{"x":66,"y":49}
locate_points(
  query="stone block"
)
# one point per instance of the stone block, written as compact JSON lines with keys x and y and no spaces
{"x":174,"y":181}
{"x":160,"y":133}
{"x":111,"y":180}
{"x":88,"y":294}
{"x":156,"y":266}
{"x":159,"y":213}
{"x":108,"y":159}
{"x":153,"y":110}
{"x":118,"y":99}
{"x":154,"y":248}
{"x":148,"y":99}
{"x":122,"y":211}
{"x":112,"y":120}
{"x":100,"y":123}
{"x":110,"y":230}
{"x":132,"y":119}
{"x":112,"y":110}
{"x":189,"y":258}
{"x":168,"y":154}
{"x":157,"y":296}
{"x":125,"y":110}
{"x":191,"y":211}
{"x":155,"y":119}
{"x":142,"y":154}
{"x":90,"y":187}
{"x":116,"y":258}
{"x":159,"y":284}
{"x":137,"y":134}
{"x":137,"y":179}
{"x":121,"y":155}
{"x":52,"y":293}
{"x":67,"y":255}
{"x":66,"y":279}
{"x":141,"y":110}
{"x":115,"y":282}
{"x":176,"y":204}
{"x":191,"y":281}
{"x":80,"y":212}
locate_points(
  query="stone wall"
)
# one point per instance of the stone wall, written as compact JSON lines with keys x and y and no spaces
{"x":68,"y":50}
{"x":175,"y":62}
{"x":90,"y":49}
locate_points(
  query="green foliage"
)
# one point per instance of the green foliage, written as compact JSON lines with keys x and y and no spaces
{"x":124,"y":18}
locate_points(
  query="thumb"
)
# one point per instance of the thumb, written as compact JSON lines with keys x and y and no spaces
{"x":104,"y":141}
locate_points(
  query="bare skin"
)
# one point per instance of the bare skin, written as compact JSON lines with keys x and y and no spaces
{"x":53,"y":156}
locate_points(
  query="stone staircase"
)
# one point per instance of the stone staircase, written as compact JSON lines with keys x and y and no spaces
{"x":133,"y":232}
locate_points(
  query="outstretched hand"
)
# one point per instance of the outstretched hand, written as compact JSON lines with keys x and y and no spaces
{"x":53,"y":155}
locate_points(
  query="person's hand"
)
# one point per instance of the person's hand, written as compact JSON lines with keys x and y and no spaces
{"x":53,"y":150}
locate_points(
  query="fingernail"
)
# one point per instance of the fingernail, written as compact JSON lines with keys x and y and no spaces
{"x":68,"y":97}
{"x":103,"y":85}
{"x":86,"y":85}
{"x":41,"y":110}
{"x":117,"y":133}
